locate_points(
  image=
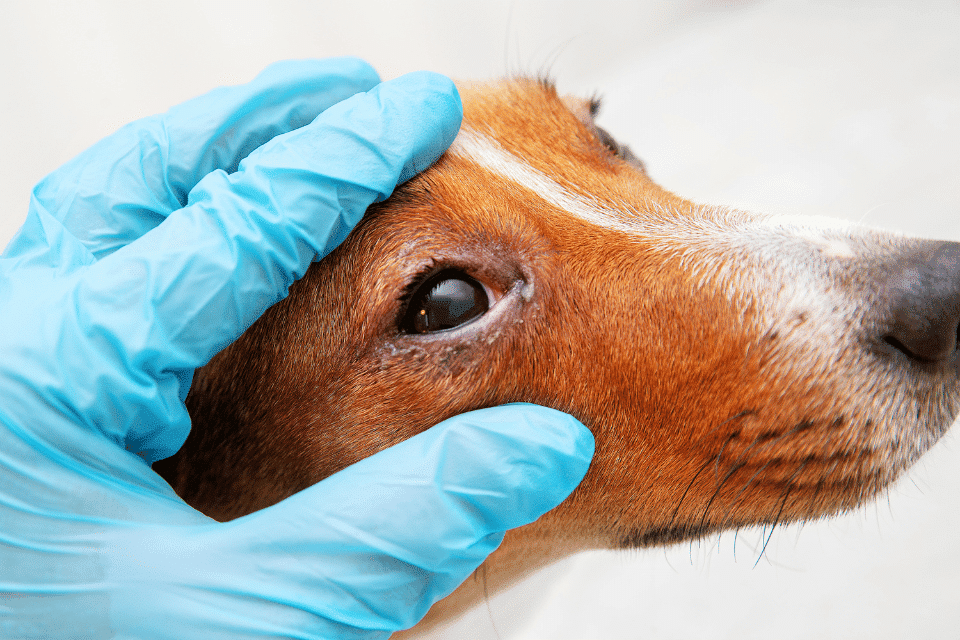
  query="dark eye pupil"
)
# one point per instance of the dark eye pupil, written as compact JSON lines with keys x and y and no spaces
{"x":443,"y":302}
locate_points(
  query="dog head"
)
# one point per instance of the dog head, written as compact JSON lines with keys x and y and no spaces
{"x":734,"y":368}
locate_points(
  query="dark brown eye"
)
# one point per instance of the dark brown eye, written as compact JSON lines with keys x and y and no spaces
{"x":445,"y":300}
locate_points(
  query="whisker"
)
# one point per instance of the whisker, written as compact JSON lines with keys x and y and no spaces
{"x":730,"y":473}
{"x":715,"y":460}
{"x":732,"y":436}
{"x":676,"y":511}
{"x":798,"y":427}
{"x":783,"y":504}
{"x":736,"y":499}
{"x":736,"y":466}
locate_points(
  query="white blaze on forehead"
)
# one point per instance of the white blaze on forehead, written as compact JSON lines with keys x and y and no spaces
{"x":487,"y":153}
{"x":649,"y":219}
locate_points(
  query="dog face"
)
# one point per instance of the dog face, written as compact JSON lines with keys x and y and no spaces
{"x":734,"y":368}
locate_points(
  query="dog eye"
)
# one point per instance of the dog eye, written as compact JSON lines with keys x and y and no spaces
{"x":444,"y":301}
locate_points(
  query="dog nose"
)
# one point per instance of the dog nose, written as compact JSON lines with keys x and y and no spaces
{"x":923,"y":294}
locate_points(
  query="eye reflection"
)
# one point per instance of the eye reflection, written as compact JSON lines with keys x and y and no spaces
{"x":445,"y":301}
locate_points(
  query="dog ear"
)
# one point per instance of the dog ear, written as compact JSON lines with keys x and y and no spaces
{"x":586,"y":111}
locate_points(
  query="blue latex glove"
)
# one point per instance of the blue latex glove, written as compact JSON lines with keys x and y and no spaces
{"x":142,"y":258}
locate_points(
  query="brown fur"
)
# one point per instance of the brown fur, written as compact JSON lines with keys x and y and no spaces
{"x":707,"y":414}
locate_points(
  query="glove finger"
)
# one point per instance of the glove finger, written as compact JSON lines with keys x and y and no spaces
{"x":165,"y":304}
{"x":125,"y":185}
{"x":389,"y":536}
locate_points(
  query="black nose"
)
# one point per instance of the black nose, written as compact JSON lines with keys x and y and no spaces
{"x":923,"y":296}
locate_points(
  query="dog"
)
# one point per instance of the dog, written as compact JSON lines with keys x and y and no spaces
{"x":734,"y":368}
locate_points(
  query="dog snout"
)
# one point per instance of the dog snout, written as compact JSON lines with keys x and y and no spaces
{"x":922,"y":293}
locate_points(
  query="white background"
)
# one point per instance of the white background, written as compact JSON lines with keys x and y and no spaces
{"x":848,"y":109}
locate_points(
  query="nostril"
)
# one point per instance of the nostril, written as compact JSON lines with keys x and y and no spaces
{"x":923,"y":312}
{"x":896,"y":344}
{"x":926,"y":350}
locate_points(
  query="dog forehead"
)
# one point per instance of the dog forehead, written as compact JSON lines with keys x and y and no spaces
{"x":520,"y":134}
{"x":508,"y":109}
{"x":524,"y":138}
{"x":527,"y":120}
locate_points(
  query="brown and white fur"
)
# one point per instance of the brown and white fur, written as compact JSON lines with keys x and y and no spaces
{"x":734,"y":368}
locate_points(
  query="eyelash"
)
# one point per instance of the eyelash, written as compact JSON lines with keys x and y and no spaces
{"x":415,"y":283}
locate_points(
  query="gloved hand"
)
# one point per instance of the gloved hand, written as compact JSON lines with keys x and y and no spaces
{"x":141,"y":259}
